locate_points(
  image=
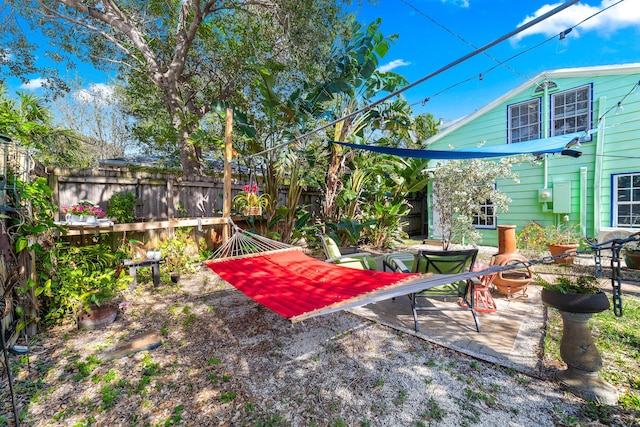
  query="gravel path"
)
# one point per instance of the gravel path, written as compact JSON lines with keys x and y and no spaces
{"x":226,"y":361}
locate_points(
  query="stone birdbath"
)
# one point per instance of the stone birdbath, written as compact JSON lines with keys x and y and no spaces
{"x":578,"y":349}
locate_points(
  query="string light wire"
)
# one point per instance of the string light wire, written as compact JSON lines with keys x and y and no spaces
{"x":501,"y":63}
{"x":368,"y":107}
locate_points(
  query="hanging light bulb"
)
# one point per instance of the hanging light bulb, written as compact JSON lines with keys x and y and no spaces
{"x":619,"y":108}
{"x":563,"y":43}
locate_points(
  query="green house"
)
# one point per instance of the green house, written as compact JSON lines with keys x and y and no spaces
{"x":600,"y":190}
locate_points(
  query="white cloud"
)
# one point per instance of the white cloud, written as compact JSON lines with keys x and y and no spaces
{"x":461,"y":3}
{"x":7,"y":57}
{"x":392,"y":65}
{"x":95,"y":93}
{"x":33,"y":84}
{"x":623,"y":15}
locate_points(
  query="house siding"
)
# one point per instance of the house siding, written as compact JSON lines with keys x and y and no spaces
{"x":611,"y":150}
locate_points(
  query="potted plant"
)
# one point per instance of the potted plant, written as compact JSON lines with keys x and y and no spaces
{"x":631,"y":255}
{"x":83,"y":211}
{"x":577,"y":299}
{"x":562,"y":239}
{"x":249,"y":202}
{"x":84,"y":283}
{"x":577,"y":295}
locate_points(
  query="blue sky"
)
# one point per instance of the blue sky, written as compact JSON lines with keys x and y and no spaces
{"x":424,"y":46}
{"x":611,"y":37}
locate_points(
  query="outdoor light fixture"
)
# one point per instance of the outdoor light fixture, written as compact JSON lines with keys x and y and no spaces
{"x":571,"y":153}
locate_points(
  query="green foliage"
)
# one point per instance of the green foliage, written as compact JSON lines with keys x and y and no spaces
{"x":182,"y":75}
{"x":78,"y":276}
{"x":532,"y":238}
{"x":388,"y":224}
{"x":562,"y":234}
{"x":175,"y":252}
{"x":461,"y":187}
{"x":122,"y":207}
{"x":347,"y":232}
{"x":569,"y":285}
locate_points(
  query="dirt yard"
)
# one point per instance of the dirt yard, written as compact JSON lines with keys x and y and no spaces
{"x":226,"y":361}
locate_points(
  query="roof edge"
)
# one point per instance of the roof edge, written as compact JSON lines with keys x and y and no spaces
{"x":562,"y":72}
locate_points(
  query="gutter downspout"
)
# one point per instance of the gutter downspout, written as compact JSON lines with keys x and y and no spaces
{"x":583,"y":200}
{"x":597,"y":174}
{"x":545,"y":131}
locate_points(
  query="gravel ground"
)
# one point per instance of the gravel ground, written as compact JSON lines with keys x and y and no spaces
{"x":226,"y":361}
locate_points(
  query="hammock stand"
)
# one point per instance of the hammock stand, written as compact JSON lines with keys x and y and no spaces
{"x":285,"y":280}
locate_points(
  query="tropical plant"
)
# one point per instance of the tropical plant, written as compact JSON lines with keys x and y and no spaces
{"x":360,"y":81}
{"x":249,"y":198}
{"x":348,"y":231}
{"x":178,"y":58}
{"x":31,"y":228}
{"x":80,"y":276}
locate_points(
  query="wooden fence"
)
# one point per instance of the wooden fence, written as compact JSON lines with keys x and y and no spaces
{"x":159,"y":196}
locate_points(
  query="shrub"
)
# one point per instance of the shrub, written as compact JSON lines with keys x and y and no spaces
{"x":122,"y":207}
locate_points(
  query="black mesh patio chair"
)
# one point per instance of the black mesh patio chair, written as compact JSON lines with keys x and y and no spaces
{"x":445,"y":262}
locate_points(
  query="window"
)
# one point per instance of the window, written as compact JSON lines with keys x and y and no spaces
{"x":486,"y":218}
{"x":571,"y":111}
{"x":626,"y":200}
{"x":524,"y":121}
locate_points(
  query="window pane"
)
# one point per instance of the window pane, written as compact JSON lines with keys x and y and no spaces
{"x":571,"y":111}
{"x":624,"y":181}
{"x":524,"y":121}
{"x":624,"y":195}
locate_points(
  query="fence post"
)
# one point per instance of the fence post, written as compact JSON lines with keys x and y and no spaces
{"x":228,"y":153}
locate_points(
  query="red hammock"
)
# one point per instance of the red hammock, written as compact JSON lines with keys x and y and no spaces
{"x":298,"y":286}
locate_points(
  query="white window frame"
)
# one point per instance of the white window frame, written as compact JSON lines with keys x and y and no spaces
{"x":633,"y":201}
{"x":569,"y":113}
{"x":517,"y":120}
{"x":482,"y":223}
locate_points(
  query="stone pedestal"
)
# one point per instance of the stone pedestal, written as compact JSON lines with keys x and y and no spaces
{"x":579,"y":352}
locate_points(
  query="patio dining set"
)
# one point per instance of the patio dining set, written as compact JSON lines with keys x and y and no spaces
{"x":473,"y":295}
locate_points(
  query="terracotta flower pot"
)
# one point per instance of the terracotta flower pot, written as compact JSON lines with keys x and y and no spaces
{"x":569,"y":248}
{"x":575,"y":303}
{"x":97,"y":316}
